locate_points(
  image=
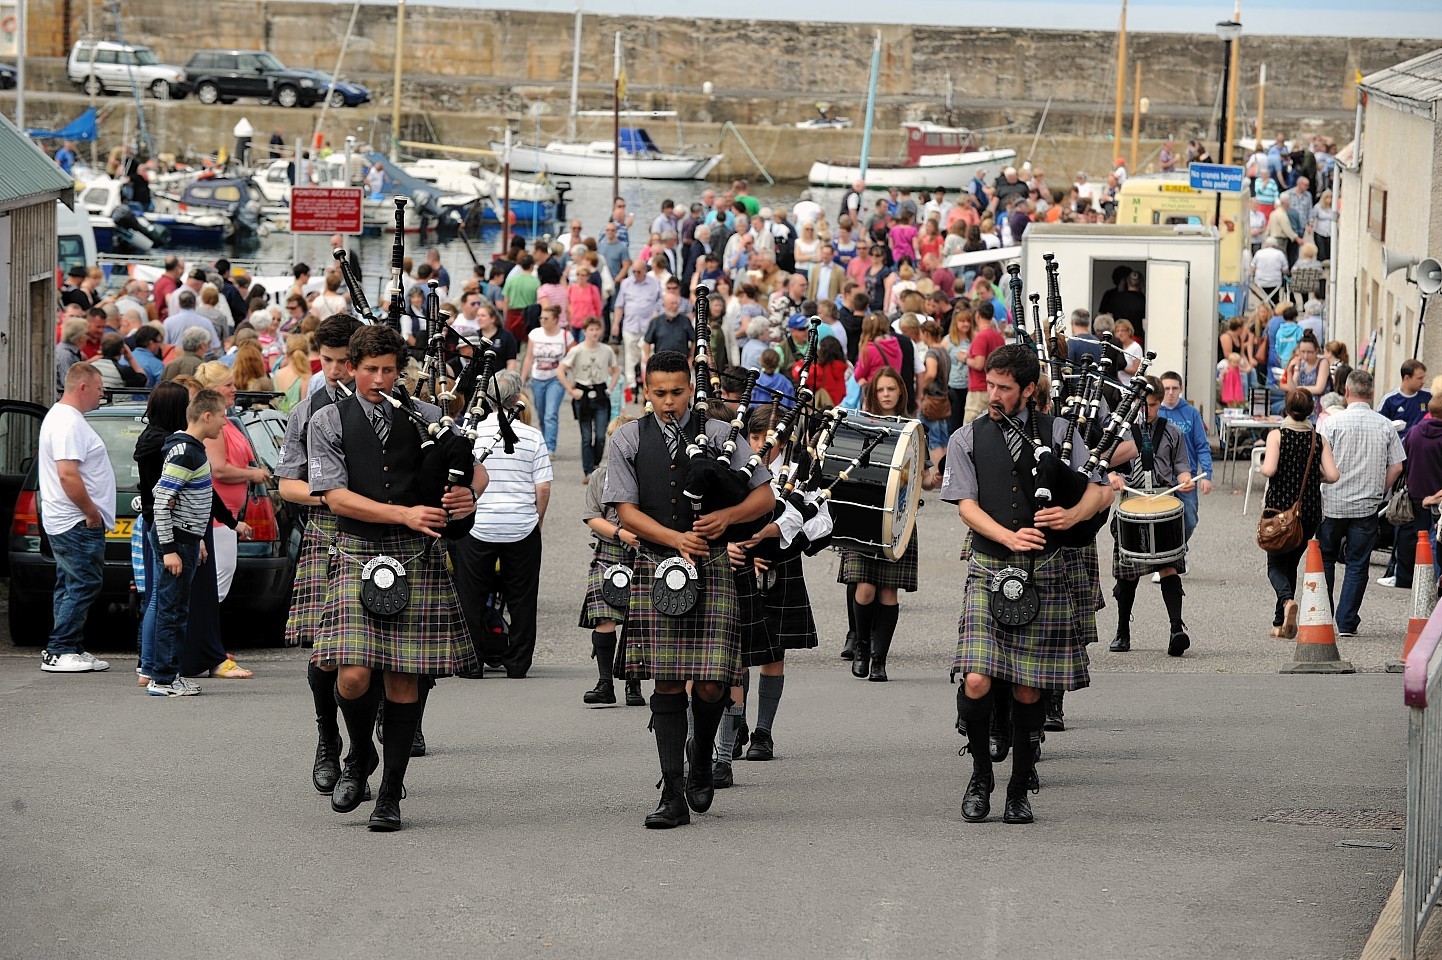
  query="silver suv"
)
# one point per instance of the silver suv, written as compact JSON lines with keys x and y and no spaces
{"x":98,"y":67}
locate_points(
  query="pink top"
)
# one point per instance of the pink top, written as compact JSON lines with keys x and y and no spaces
{"x":882,"y":352}
{"x":585,"y":302}
{"x":554,"y":294}
{"x":903,"y":237}
{"x":237,"y":454}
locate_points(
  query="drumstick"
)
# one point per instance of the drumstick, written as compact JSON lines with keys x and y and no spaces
{"x":1179,"y":486}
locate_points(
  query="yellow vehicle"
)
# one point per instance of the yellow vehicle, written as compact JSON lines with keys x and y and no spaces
{"x":1154,"y":199}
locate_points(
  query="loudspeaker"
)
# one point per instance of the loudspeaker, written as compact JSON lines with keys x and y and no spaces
{"x":1392,"y":261}
{"x":1429,"y":276}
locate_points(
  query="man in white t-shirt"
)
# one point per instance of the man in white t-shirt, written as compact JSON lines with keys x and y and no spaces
{"x":77,"y":506}
{"x":503,"y":552}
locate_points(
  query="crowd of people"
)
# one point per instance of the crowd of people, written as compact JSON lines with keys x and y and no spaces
{"x":583,"y":319}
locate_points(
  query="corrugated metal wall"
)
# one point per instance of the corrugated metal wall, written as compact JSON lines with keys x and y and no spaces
{"x":27,"y":348}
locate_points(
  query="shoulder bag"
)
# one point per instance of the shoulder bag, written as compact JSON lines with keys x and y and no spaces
{"x":1281,"y":530}
{"x":1398,"y":511}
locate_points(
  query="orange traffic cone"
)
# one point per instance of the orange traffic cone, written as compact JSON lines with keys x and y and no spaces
{"x":1424,"y":597}
{"x":1316,"y":650}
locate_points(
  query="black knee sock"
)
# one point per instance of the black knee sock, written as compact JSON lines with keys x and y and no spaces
{"x":1026,"y":725}
{"x":322,"y":693}
{"x":708,"y":717}
{"x":865,"y":624}
{"x":360,"y":717}
{"x":976,"y":714}
{"x":1002,"y":702}
{"x":1125,"y":592}
{"x":1172,"y":596}
{"x":768,"y":696}
{"x":423,"y":693}
{"x":400,"y":724}
{"x":603,"y":647}
{"x":618,"y":669}
{"x":668,"y":722}
{"x":851,"y":608}
{"x":883,"y":627}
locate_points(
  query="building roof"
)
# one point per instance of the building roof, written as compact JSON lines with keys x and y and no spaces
{"x":1418,"y":79}
{"x":27,"y":175}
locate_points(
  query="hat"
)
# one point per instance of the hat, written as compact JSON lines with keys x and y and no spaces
{"x":78,"y":271}
{"x":796,"y":322}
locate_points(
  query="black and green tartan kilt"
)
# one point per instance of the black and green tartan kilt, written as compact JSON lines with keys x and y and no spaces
{"x":1124,"y":569}
{"x":1083,"y":578}
{"x":860,"y":567}
{"x":788,"y":606}
{"x":307,"y":597}
{"x":758,"y":641}
{"x":594,"y":608}
{"x":428,"y":637}
{"x":705,"y":644}
{"x":1045,"y":653}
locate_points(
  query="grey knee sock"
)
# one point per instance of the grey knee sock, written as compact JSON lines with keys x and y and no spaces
{"x":726,"y":733}
{"x":769,"y":693}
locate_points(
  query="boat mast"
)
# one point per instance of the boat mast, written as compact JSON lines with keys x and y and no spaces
{"x":575,"y":74}
{"x":870,"y":103}
{"x":1121,"y":79}
{"x":396,"y":83}
{"x":616,"y":124}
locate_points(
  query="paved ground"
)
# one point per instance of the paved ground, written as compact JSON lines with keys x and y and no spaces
{"x":165,"y":828}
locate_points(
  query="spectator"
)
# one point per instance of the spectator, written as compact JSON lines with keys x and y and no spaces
{"x":164,"y":415}
{"x":553,"y":293}
{"x":77,"y":506}
{"x":193,"y":346}
{"x":249,"y":369}
{"x":986,"y":339}
{"x":115,"y":375}
{"x":1324,"y":223}
{"x":1305,"y":369}
{"x":520,"y":292}
{"x":97,"y":325}
{"x":67,"y":352}
{"x":166,"y":284}
{"x":670,"y":329}
{"x":149,"y":341}
{"x":1369,"y":458}
{"x":1423,"y":446}
{"x":1185,"y":418}
{"x":1297,"y":461}
{"x":583,"y":300}
{"x":503,"y":552}
{"x":293,"y":377}
{"x":547,"y":348}
{"x":1408,"y":402}
{"x":184,"y":316}
{"x":932,"y":387}
{"x":772,"y":385}
{"x":958,"y":346}
{"x":638,"y":300}
{"x":182,"y":507}
{"x":80,"y":290}
{"x":589,"y":373}
{"x":330,"y":301}
{"x":1269,"y":266}
{"x":209,"y":308}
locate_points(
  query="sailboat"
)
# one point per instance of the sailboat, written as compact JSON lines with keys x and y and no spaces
{"x":640,"y":158}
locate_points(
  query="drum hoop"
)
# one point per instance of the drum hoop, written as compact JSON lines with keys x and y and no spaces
{"x":906,"y":449}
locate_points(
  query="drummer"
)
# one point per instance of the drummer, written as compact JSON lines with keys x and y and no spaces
{"x":1161,"y":464}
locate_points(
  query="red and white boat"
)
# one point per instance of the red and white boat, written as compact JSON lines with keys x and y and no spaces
{"x":936,"y":156}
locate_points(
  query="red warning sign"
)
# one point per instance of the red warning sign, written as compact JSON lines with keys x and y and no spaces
{"x":326,"y":209}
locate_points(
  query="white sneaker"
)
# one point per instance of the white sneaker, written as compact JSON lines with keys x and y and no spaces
{"x":95,"y":662}
{"x":178,"y":688}
{"x":189,"y":684}
{"x":1387,"y":581}
{"x":65,"y":663}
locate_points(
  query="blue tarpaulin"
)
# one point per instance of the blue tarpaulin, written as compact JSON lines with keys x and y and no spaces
{"x":82,"y":127}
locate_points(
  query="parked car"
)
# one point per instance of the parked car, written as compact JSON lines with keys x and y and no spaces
{"x":259,"y":597}
{"x":341,"y":93}
{"x":98,"y":67}
{"x":228,"y":75}
{"x":8,"y":76}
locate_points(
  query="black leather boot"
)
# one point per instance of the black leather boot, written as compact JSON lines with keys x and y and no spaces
{"x":976,"y":802}
{"x":848,"y":650}
{"x":326,"y":770}
{"x":603,"y":692}
{"x":883,"y":630}
{"x":672,"y":811}
{"x":1055,"y":716}
{"x":975,"y":716}
{"x":700,"y":787}
{"x":865,"y":619}
{"x":634,"y":697}
{"x":386,"y":817}
{"x":353,"y":788}
{"x":1027,"y":720}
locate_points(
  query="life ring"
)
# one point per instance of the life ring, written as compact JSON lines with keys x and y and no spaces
{"x":9,"y":25}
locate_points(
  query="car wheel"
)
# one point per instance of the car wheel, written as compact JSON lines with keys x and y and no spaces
{"x":287,"y":96}
{"x":207,"y":93}
{"x":160,"y":90}
{"x":93,"y":86}
{"x":30,"y":623}
{"x":337,"y":99}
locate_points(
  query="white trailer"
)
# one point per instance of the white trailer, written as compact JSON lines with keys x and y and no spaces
{"x":1178,"y":264}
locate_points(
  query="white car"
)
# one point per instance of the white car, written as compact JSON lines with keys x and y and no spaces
{"x":98,"y":67}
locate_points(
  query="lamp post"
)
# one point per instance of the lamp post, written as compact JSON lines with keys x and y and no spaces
{"x":1230,"y":31}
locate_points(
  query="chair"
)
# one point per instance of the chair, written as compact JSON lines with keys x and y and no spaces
{"x":1254,"y":470}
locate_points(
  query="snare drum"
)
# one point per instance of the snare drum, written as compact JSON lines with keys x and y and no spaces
{"x":1151,"y":531}
{"x":874,"y":508}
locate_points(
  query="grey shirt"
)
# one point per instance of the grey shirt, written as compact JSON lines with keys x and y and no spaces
{"x":620,"y":481}
{"x":959,"y":482}
{"x":325,"y":451}
{"x":1170,"y":457}
{"x":292,"y":465}
{"x":596,"y":506}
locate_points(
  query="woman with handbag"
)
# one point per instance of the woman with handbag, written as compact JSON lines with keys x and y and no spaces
{"x":933,"y":388}
{"x":1297,"y":462}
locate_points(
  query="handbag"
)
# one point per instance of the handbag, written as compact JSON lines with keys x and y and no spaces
{"x":1398,"y":511}
{"x":1281,"y":530}
{"x":935,"y":407}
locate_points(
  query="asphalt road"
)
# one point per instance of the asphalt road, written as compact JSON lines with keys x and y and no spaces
{"x":159,"y":828}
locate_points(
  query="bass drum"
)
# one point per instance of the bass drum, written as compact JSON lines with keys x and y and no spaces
{"x":874,"y":508}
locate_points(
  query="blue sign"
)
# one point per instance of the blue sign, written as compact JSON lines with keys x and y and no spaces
{"x":1216,"y":176}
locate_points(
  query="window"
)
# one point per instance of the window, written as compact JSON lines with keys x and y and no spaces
{"x":96,"y":196}
{"x":249,"y":63}
{"x":228,"y":192}
{"x":269,"y":62}
{"x":145,"y":57}
{"x":119,"y":435}
{"x":1377,"y":211}
{"x":105,"y":56}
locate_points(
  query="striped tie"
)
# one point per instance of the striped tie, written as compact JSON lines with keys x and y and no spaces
{"x":381,"y":423}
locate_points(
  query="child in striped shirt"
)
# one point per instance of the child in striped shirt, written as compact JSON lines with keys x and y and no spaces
{"x":182,"y":513}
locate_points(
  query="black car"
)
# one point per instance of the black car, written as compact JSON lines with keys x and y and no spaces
{"x":259,"y":597}
{"x":228,"y":75}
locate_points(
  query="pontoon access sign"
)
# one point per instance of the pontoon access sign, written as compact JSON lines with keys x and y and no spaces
{"x":325,"y":209}
{"x":1217,"y":176}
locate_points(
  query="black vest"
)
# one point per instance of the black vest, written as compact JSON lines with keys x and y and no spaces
{"x":383,"y":474}
{"x":1005,"y":489}
{"x":661,"y":478}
